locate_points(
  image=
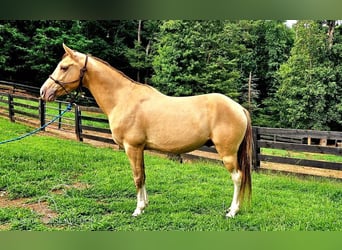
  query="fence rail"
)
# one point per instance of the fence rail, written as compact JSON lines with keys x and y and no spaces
{"x":90,"y":123}
{"x":284,"y":139}
{"x":13,"y":87}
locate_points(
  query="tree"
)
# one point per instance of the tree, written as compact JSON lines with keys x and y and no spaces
{"x":46,"y":49}
{"x":31,"y":49}
{"x":13,"y":47}
{"x":140,"y":56}
{"x":335,"y":57}
{"x":268,"y":44}
{"x":307,"y":81}
{"x":296,"y":73}
{"x":110,"y":40}
{"x":196,"y":57}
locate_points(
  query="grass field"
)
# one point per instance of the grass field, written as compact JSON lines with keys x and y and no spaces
{"x":48,"y":183}
{"x":301,"y":155}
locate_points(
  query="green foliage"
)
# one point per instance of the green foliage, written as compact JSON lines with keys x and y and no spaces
{"x":270,"y":45}
{"x":296,"y":72}
{"x":33,"y":48}
{"x":308,"y":86}
{"x":141,"y":55}
{"x":195,"y":57}
{"x":335,"y":91}
{"x":13,"y":45}
{"x":45,"y":51}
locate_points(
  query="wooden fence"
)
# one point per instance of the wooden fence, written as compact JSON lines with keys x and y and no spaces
{"x":297,"y":140}
{"x":90,"y":123}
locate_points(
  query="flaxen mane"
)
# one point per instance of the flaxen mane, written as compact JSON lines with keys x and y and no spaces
{"x":116,"y":70}
{"x":120,"y":72}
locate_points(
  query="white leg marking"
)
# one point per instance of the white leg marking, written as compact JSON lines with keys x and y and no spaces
{"x":235,"y":205}
{"x":142,"y":201}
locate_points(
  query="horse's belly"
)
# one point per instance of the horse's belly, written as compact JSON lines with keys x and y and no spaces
{"x":175,"y":140}
{"x":177,"y":148}
{"x":177,"y":126}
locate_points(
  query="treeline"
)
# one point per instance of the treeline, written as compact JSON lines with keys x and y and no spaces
{"x":287,"y":77}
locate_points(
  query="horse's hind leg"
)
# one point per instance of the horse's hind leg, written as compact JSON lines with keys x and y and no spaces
{"x":235,"y":205}
{"x":136,"y":158}
{"x":231,"y":163}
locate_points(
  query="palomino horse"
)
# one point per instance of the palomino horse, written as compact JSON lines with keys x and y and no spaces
{"x":141,"y":117}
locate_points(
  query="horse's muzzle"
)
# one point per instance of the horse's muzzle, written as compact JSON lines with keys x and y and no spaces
{"x":47,"y":94}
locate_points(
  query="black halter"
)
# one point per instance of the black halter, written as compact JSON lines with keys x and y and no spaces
{"x":80,"y":79}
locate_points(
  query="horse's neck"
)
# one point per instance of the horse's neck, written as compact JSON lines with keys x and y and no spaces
{"x":107,"y":86}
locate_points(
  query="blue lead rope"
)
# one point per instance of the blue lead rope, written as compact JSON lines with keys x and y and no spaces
{"x":68,"y":108}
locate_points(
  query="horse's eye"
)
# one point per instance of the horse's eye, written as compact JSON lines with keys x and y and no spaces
{"x":64,"y":68}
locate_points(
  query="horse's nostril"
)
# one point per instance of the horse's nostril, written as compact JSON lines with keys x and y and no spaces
{"x":42,"y":92}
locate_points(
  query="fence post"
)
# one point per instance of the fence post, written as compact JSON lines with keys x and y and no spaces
{"x":42,"y":114}
{"x":78,"y":123}
{"x":10,"y":108}
{"x":60,"y":117}
{"x":256,"y":148}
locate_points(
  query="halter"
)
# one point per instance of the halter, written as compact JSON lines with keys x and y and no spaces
{"x":80,"y":79}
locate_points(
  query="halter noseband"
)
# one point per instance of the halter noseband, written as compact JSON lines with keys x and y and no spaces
{"x":80,"y":79}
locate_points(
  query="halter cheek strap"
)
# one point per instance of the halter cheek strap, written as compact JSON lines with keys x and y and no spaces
{"x":80,"y":79}
{"x":62,"y":83}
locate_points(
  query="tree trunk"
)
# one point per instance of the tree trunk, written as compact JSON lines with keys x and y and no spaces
{"x":249,"y":92}
{"x":331,"y":28}
{"x":139,"y":42}
{"x":139,"y":31}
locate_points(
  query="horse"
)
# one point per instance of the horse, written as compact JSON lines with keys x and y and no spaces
{"x":141,"y":118}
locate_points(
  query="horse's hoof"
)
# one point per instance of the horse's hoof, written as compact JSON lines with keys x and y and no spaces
{"x":230,"y":213}
{"x":137,"y":212}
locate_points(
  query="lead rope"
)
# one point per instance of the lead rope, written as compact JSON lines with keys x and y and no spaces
{"x":68,"y":108}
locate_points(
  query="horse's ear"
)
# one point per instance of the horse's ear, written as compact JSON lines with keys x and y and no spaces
{"x":68,"y":50}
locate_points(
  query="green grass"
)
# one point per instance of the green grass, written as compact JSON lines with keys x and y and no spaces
{"x":92,"y":189}
{"x":302,"y":155}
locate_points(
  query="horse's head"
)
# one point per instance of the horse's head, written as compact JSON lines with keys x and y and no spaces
{"x":66,"y":77}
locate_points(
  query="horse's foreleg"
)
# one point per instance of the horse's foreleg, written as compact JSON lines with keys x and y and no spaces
{"x":136,"y":158}
{"x":142,"y":201}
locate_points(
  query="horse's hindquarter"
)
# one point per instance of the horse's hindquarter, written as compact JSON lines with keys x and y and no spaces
{"x":228,"y":124}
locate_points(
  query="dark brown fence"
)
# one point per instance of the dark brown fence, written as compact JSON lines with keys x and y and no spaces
{"x":296,"y":140}
{"x":100,"y":133}
{"x":90,"y":123}
{"x":32,"y":110}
